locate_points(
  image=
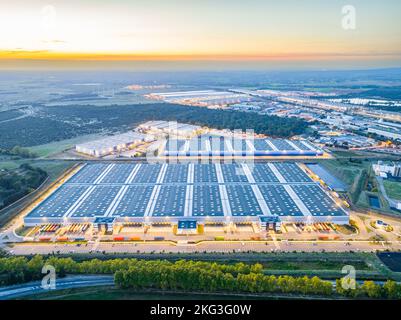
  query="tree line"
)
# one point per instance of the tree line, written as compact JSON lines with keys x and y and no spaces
{"x":16,"y":183}
{"x":57,"y":123}
{"x":196,"y":279}
{"x":21,"y":269}
{"x":191,"y":276}
{"x":18,"y":152}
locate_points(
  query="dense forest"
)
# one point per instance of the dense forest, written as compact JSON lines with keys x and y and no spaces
{"x":190,"y":276}
{"x":16,"y":183}
{"x":64,"y":122}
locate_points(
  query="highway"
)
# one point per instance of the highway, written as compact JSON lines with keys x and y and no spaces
{"x":30,"y":288}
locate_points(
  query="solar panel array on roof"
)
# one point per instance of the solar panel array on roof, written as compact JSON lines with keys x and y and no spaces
{"x":134,"y":202}
{"x":127,"y":190}
{"x":205,"y":173}
{"x":243,"y":201}
{"x":263,"y":173}
{"x":219,"y":146}
{"x":58,"y":204}
{"x":90,"y":174}
{"x":147,"y":173}
{"x":316,"y":201}
{"x":261,"y":144}
{"x":118,"y":174}
{"x":291,"y":172}
{"x":279,"y":201}
{"x":176,"y":173}
{"x":206,"y":201}
{"x":97,"y":202}
{"x":282,"y":144}
{"x":233,"y":173}
{"x":170,"y":202}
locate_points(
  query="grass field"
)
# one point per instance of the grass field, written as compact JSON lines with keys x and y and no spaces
{"x":49,"y":149}
{"x":358,"y":175}
{"x":343,"y":169}
{"x":393,"y":189}
{"x":8,"y":164}
{"x":112,"y":293}
{"x":312,"y":265}
{"x":53,"y":168}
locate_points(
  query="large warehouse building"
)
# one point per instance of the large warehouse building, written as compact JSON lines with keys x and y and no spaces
{"x":169,"y":128}
{"x":110,"y":144}
{"x":112,"y":193}
{"x":209,"y":145}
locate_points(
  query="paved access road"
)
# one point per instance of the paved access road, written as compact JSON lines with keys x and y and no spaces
{"x":30,"y":288}
{"x":217,"y":246}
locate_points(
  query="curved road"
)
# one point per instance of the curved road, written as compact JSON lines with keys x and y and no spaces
{"x":30,"y":288}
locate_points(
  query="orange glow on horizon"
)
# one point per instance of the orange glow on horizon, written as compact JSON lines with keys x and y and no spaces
{"x":75,"y":56}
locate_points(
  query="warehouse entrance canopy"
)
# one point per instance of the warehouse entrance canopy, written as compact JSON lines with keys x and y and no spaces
{"x":187,"y":227}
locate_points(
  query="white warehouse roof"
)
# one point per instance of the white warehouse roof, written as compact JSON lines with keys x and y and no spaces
{"x":112,"y":141}
{"x":169,"y":126}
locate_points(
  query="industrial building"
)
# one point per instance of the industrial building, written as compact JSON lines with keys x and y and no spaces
{"x":108,"y":145}
{"x":209,"y":145}
{"x":387,"y":131}
{"x":387,"y":169}
{"x":346,"y":141}
{"x":202,"y":98}
{"x":142,"y":193}
{"x":169,"y":128}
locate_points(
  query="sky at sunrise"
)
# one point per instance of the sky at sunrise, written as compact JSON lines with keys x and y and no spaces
{"x":293,"y":33}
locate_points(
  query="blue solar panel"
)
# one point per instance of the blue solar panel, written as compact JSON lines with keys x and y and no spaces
{"x":233,"y":173}
{"x":97,"y":202}
{"x":134,"y":202}
{"x":243,"y":201}
{"x":176,"y":173}
{"x":147,"y":173}
{"x":170,"y":202}
{"x":228,"y":145}
{"x":300,"y":145}
{"x":262,"y":173}
{"x":261,"y":144}
{"x":317,"y":202}
{"x":89,"y":173}
{"x":205,"y":173}
{"x":281,"y":144}
{"x":206,"y":201}
{"x":59,"y":202}
{"x":119,"y":173}
{"x":279,"y":201}
{"x":291,"y":172}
